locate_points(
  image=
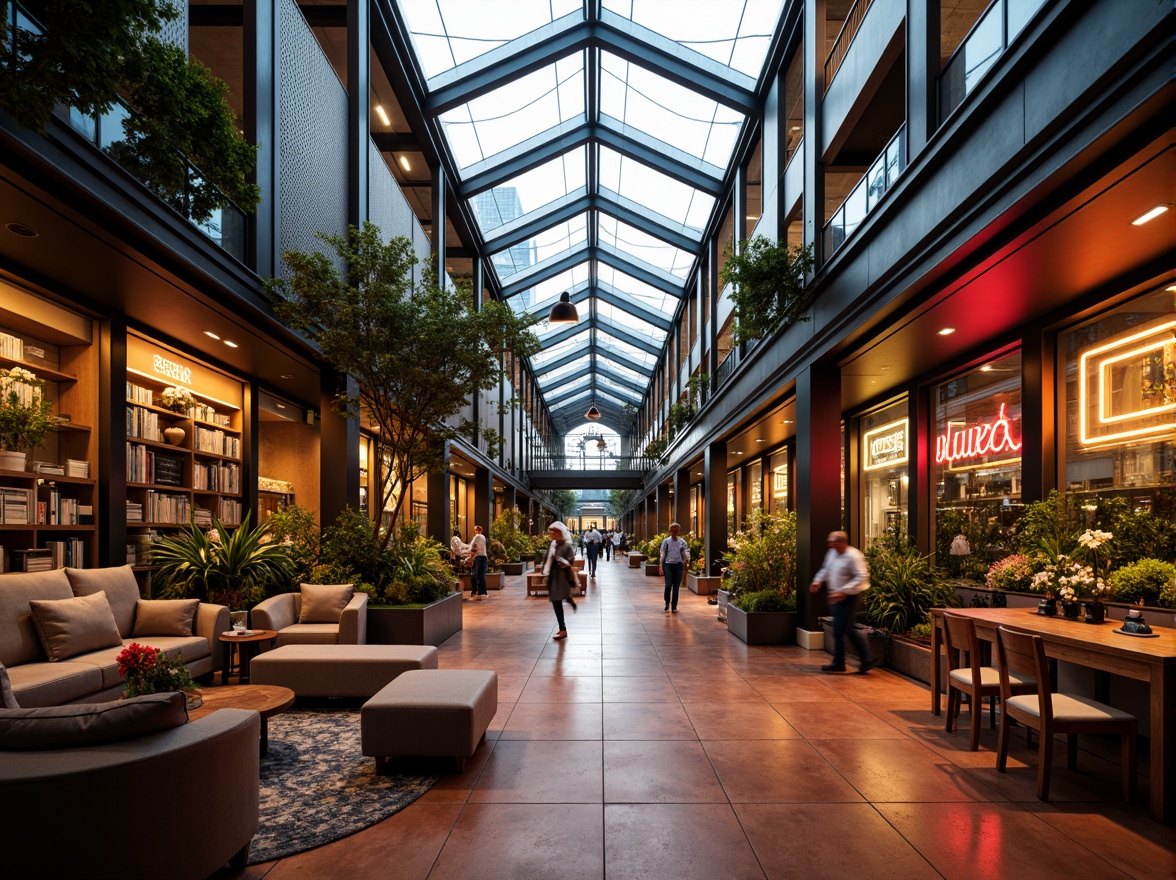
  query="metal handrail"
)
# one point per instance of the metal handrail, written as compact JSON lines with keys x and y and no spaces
{"x":849,"y":29}
{"x":876,"y":182}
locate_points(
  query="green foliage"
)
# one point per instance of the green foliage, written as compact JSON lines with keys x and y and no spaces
{"x":496,"y":555}
{"x":1142,"y":582}
{"x":1048,"y":525}
{"x":651,"y":549}
{"x":920,"y":632}
{"x":983,"y":530}
{"x":904,"y":586}
{"x":181,"y":112}
{"x":508,"y":529}
{"x":769,"y":285}
{"x":765,"y":600}
{"x":417,"y":572}
{"x":351,"y":552}
{"x":619,"y":500}
{"x":565,"y":501}
{"x":1142,"y":535}
{"x":296,"y":528}
{"x":234,"y":569}
{"x":26,"y":415}
{"x":762,"y":556}
{"x":656,"y":450}
{"x":416,"y":350}
{"x":697,"y":552}
{"x":1013,"y":574}
{"x":678,"y":417}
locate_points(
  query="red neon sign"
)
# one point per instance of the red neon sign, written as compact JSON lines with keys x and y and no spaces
{"x":987,"y":438}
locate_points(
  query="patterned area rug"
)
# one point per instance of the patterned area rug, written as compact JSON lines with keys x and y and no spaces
{"x":316,"y":786}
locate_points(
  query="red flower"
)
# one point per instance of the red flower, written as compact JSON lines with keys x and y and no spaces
{"x":135,"y":659}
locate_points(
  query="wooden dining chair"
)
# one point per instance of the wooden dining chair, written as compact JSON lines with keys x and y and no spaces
{"x":969,"y":677}
{"x":1051,"y":714}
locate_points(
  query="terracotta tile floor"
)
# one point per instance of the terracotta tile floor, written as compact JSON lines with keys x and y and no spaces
{"x":649,"y":745}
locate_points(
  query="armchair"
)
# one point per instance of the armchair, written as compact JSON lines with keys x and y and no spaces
{"x":285,"y":615}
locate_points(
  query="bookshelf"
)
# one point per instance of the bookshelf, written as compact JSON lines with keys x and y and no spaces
{"x":47,"y":511}
{"x":179,"y":464}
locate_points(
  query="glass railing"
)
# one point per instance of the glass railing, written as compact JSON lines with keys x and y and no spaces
{"x":590,"y":461}
{"x":867,"y":194}
{"x":853,"y":22}
{"x":1000,"y":24}
{"x":227,"y":226}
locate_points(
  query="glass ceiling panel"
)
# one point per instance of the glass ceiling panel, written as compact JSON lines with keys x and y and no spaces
{"x":545,"y":294}
{"x":531,"y":190}
{"x":551,"y":241}
{"x":547,"y":355}
{"x":447,"y":33}
{"x":520,"y":109}
{"x":631,"y":323}
{"x":656,"y":191}
{"x":608,"y":343}
{"x":579,"y":368}
{"x":622,"y":369}
{"x":733,"y":33}
{"x":646,"y":294}
{"x":669,"y":112}
{"x":645,"y":247}
{"x":583,"y":396}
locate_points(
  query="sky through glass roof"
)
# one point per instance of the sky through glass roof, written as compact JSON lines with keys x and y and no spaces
{"x":597,"y":182}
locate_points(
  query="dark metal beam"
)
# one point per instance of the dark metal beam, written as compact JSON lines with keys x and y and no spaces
{"x":609,"y":294}
{"x":563,"y":335}
{"x":625,"y":336}
{"x":216,"y":15}
{"x":543,"y":270}
{"x":395,"y":141}
{"x":640,"y":270}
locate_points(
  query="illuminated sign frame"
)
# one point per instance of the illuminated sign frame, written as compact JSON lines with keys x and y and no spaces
{"x":867,"y":442}
{"x":1084,"y":372}
{"x":943,"y":451}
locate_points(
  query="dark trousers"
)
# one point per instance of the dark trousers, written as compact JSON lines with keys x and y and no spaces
{"x":844,"y":620}
{"x":673,"y":572}
{"x":478,"y":576}
{"x":608,"y":549}
{"x":557,"y":605}
{"x":593,"y":552}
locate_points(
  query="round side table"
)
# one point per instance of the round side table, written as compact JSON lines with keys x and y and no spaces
{"x":247,"y":647}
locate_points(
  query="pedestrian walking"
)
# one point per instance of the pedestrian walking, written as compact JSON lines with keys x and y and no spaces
{"x":845,"y":576}
{"x":671,"y":563}
{"x":593,"y":539}
{"x":481,"y":562}
{"x":561,"y":576}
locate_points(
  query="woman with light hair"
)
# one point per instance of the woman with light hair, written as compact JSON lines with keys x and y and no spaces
{"x":561,"y":577}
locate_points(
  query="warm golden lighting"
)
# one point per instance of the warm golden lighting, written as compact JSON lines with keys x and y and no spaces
{"x":947,"y":331}
{"x":1150,"y":215}
{"x":1162,"y":334}
{"x":383,"y":114}
{"x":880,"y":443}
{"x":404,"y":163}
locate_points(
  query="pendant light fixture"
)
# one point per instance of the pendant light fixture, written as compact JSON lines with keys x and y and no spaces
{"x":593,"y":413}
{"x":563,"y":312}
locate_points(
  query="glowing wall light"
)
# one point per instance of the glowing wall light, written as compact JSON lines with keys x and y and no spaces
{"x":1095,"y":366}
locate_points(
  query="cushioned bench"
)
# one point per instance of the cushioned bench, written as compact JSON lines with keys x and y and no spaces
{"x":432,"y":712}
{"x":338,"y":670}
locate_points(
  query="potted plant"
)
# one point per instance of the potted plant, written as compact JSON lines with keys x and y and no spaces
{"x":224,"y":567}
{"x":507,"y":530}
{"x":697,"y":580}
{"x":651,"y":553}
{"x":148,"y":670}
{"x":26,"y":416}
{"x":761,"y":580}
{"x":497,"y":559}
{"x":768,"y":285}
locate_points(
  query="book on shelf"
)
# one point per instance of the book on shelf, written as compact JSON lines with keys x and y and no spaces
{"x":47,"y":467}
{"x":17,"y":506}
{"x":134,"y":512}
{"x":33,"y":559}
{"x":85,"y":514}
{"x":139,"y":394}
{"x":11,"y":346}
{"x":168,"y":471}
{"x":70,"y":553}
{"x":77,"y":468}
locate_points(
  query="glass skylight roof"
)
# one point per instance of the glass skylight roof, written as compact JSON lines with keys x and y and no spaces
{"x":628,"y":178}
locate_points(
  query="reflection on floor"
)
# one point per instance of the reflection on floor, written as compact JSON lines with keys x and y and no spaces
{"x":650,"y":746}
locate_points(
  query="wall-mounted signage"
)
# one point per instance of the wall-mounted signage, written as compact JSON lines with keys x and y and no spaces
{"x":170,"y":369}
{"x":961,"y":443}
{"x":886,"y":446}
{"x":1127,"y":387}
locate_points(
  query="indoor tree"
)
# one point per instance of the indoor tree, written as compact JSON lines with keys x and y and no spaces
{"x":417,"y":349}
{"x":768,"y":289}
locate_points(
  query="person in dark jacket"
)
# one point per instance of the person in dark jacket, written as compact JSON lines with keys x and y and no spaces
{"x":561,"y":577}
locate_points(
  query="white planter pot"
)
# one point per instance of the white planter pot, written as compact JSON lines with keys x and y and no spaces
{"x":13,"y":461}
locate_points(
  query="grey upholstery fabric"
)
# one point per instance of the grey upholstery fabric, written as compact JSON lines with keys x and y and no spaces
{"x":430,"y":712}
{"x":120,"y":587}
{"x":78,"y":625}
{"x":19,"y":642}
{"x":89,"y":724}
{"x":338,"y":670}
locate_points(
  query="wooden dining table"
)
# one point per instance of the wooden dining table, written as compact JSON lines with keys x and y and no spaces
{"x":1096,"y":646}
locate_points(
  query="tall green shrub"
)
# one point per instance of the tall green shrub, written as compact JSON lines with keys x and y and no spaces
{"x":904,"y":586}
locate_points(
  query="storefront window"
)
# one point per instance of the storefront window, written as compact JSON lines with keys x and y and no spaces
{"x":1120,"y":401}
{"x":732,"y":482}
{"x":695,"y":491}
{"x":976,"y":453}
{"x":780,"y":482}
{"x":755,"y":486}
{"x":884,"y":456}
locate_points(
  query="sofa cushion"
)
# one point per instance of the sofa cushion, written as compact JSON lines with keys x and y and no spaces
{"x":308,"y":634}
{"x":7,"y":697}
{"x":165,"y":617}
{"x":324,"y":603}
{"x":120,"y":587}
{"x":69,"y":627}
{"x":19,"y":642}
{"x":51,"y":684}
{"x":191,"y":648}
{"x":89,"y":724}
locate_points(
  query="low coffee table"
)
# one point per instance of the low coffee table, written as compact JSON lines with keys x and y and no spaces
{"x":265,"y":699}
{"x":248,"y":645}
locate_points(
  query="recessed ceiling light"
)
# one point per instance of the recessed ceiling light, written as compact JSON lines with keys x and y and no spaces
{"x":796,"y":128}
{"x":739,"y":452}
{"x":383,"y":114}
{"x":759,"y":440}
{"x":404,"y":163}
{"x":987,"y":368}
{"x":698,"y":473}
{"x":280,"y":405}
{"x":286,"y":376}
{"x":947,"y":331}
{"x":787,"y":422}
{"x":1150,"y":215}
{"x":21,"y":229}
{"x":210,"y":334}
{"x":1172,"y":289}
{"x":230,"y":343}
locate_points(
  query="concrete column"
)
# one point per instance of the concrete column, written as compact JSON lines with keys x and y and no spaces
{"x":714,"y":470}
{"x":437,"y":520}
{"x":261,"y":106}
{"x":483,"y":511}
{"x":818,"y":478}
{"x":665,"y":511}
{"x":338,"y":449}
{"x":358,"y":111}
{"x":682,"y":498}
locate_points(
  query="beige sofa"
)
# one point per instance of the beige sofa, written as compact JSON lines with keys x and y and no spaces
{"x":92,"y":676}
{"x":178,"y":804}
{"x":284,"y":615}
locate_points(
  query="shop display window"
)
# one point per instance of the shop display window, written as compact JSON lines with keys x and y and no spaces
{"x":755,"y":486}
{"x":732,"y":483}
{"x":695,"y":494}
{"x":779,"y":464}
{"x":1119,"y":401}
{"x":885,"y":445}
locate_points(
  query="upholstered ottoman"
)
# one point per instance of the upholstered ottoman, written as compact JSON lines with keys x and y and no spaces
{"x":338,"y":670}
{"x":430,"y":712}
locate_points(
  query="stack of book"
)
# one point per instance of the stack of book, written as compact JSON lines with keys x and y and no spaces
{"x":36,"y":559}
{"x":47,"y":467}
{"x":77,"y":468}
{"x":70,"y":553}
{"x":11,"y":347}
{"x":15,"y":506}
{"x":134,"y":511}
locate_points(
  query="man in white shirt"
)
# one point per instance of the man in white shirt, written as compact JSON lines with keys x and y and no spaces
{"x":845,"y":576}
{"x":592,"y":542}
{"x":672,"y":560}
{"x":481,"y":562}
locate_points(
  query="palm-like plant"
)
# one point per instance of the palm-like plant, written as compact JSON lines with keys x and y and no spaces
{"x":233,"y":569}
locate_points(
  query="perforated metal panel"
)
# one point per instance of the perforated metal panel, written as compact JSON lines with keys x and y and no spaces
{"x":313,"y":139}
{"x":387,"y":206}
{"x":177,"y":31}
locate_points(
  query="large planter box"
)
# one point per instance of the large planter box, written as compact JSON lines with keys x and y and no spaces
{"x":877,"y":640}
{"x":762,"y":627}
{"x":514,"y":568}
{"x":651,"y":569}
{"x":913,"y":660}
{"x":635,"y":560}
{"x":724,"y":597}
{"x":494,"y":580}
{"x":703,"y":585}
{"x":428,"y":625}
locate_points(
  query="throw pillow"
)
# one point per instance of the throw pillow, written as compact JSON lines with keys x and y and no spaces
{"x":90,"y":724}
{"x":68,"y":627}
{"x":119,"y":585}
{"x":324,"y":603}
{"x":7,"y":697}
{"x":165,"y":617}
